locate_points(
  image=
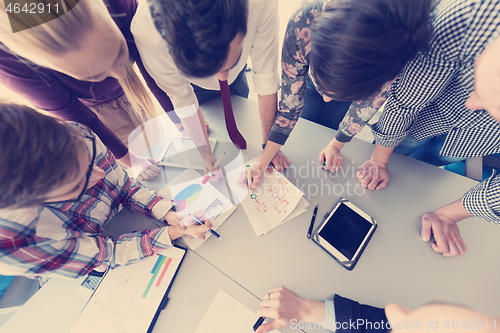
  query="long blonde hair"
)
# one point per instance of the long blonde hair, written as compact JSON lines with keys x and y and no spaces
{"x":58,"y":34}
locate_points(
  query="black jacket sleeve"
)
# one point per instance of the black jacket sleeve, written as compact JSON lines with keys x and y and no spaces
{"x":352,"y":317}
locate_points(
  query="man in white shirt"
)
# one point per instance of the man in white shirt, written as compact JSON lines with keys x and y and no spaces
{"x":183,"y":43}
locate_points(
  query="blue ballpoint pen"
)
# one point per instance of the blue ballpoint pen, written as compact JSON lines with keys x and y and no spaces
{"x":212,"y":231}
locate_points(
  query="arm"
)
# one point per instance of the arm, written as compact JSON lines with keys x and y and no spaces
{"x":264,"y":56}
{"x":355,"y":119}
{"x":287,"y":308}
{"x":348,"y":311}
{"x":442,"y":224}
{"x":427,"y":75}
{"x":481,"y":201}
{"x":294,"y":72}
{"x":44,"y":91}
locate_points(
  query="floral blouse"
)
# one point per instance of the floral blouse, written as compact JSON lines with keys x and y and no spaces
{"x":295,"y":61}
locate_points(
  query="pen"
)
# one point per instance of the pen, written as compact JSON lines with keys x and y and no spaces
{"x":249,"y":177}
{"x":216,"y":165}
{"x":213,"y":232}
{"x":219,"y":160}
{"x":258,"y":323}
{"x":312,"y":222}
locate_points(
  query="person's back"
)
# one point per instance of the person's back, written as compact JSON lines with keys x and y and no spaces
{"x":60,"y":186}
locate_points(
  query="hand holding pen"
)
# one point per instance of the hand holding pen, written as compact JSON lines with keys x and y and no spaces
{"x":199,"y":222}
{"x":187,"y":224}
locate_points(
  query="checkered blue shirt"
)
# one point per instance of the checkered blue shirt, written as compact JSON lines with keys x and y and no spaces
{"x":67,"y":239}
{"x":428,"y":98}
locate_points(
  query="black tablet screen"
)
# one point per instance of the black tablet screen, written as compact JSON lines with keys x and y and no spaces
{"x":345,"y":230}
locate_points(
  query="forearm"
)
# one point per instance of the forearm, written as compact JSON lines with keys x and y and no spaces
{"x":268,"y":106}
{"x":381,"y":154}
{"x":197,"y":131}
{"x":269,"y":152}
{"x":454,"y":211}
{"x":336,"y":144}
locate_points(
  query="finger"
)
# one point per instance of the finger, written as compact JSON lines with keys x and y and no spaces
{"x":382,"y":184}
{"x":454,"y":251}
{"x":208,"y":223}
{"x":460,"y":247}
{"x":441,"y":238}
{"x":426,"y":228}
{"x":152,"y":160}
{"x":200,"y":214}
{"x":373,"y":183}
{"x":278,"y":289}
{"x":321,"y":158}
{"x":272,"y":325}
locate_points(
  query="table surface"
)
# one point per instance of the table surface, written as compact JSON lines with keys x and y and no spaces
{"x":396,"y":266}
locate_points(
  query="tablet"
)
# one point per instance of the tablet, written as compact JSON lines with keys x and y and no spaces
{"x":345,"y":232}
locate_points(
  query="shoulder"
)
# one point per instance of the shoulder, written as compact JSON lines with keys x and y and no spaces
{"x":459,"y":26}
{"x":21,"y":216}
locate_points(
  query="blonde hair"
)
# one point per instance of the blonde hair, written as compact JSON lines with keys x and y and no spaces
{"x":58,"y":34}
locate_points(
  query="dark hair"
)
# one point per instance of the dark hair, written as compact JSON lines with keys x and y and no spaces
{"x":359,"y":45}
{"x":198,"y":32}
{"x":37,"y":155}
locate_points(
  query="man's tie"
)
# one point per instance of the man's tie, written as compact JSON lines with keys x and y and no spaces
{"x":232,"y":130}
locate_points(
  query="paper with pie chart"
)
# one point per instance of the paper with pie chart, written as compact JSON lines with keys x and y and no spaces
{"x":191,"y":196}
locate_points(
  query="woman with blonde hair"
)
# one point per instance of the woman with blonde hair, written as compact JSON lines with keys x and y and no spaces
{"x":78,"y":66}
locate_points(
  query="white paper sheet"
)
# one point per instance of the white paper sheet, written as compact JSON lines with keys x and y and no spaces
{"x":227,"y":315}
{"x":128,"y":296}
{"x":272,"y":202}
{"x":188,"y":191}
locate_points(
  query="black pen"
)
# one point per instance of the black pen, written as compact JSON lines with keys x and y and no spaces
{"x":212,"y":231}
{"x":258,"y":323}
{"x":312,"y":222}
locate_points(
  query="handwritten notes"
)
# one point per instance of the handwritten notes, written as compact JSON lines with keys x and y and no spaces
{"x":272,"y":202}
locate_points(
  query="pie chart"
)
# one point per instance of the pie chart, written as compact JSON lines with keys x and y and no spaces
{"x":187,"y":196}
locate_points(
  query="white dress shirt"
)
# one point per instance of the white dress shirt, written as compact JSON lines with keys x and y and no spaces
{"x":260,"y":43}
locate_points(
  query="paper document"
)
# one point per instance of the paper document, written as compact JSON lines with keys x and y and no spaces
{"x":227,"y":315}
{"x":272,"y":202}
{"x":129,"y":296}
{"x":191,"y":195}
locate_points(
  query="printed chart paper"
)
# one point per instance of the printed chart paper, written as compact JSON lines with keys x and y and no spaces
{"x":191,"y":196}
{"x":227,"y":315}
{"x":129,"y":296}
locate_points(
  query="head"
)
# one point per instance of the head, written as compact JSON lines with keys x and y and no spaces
{"x":486,"y":94}
{"x":84,"y":43}
{"x":359,"y":45}
{"x":205,"y":37}
{"x":434,"y":317}
{"x":42,"y":159}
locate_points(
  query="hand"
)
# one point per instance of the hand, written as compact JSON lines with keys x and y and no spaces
{"x":446,"y":234}
{"x":373,"y":175}
{"x":258,"y":173}
{"x":280,"y":161}
{"x":243,"y":181}
{"x":145,"y":168}
{"x":332,"y":157}
{"x":283,"y":305}
{"x":216,"y":175}
{"x":186,"y":225}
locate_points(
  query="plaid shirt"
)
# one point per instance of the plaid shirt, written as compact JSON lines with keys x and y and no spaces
{"x":67,"y":239}
{"x":428,"y":98}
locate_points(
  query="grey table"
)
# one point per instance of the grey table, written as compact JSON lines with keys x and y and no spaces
{"x":396,"y":265}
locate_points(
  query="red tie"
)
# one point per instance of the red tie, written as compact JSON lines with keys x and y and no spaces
{"x":232,"y":129}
